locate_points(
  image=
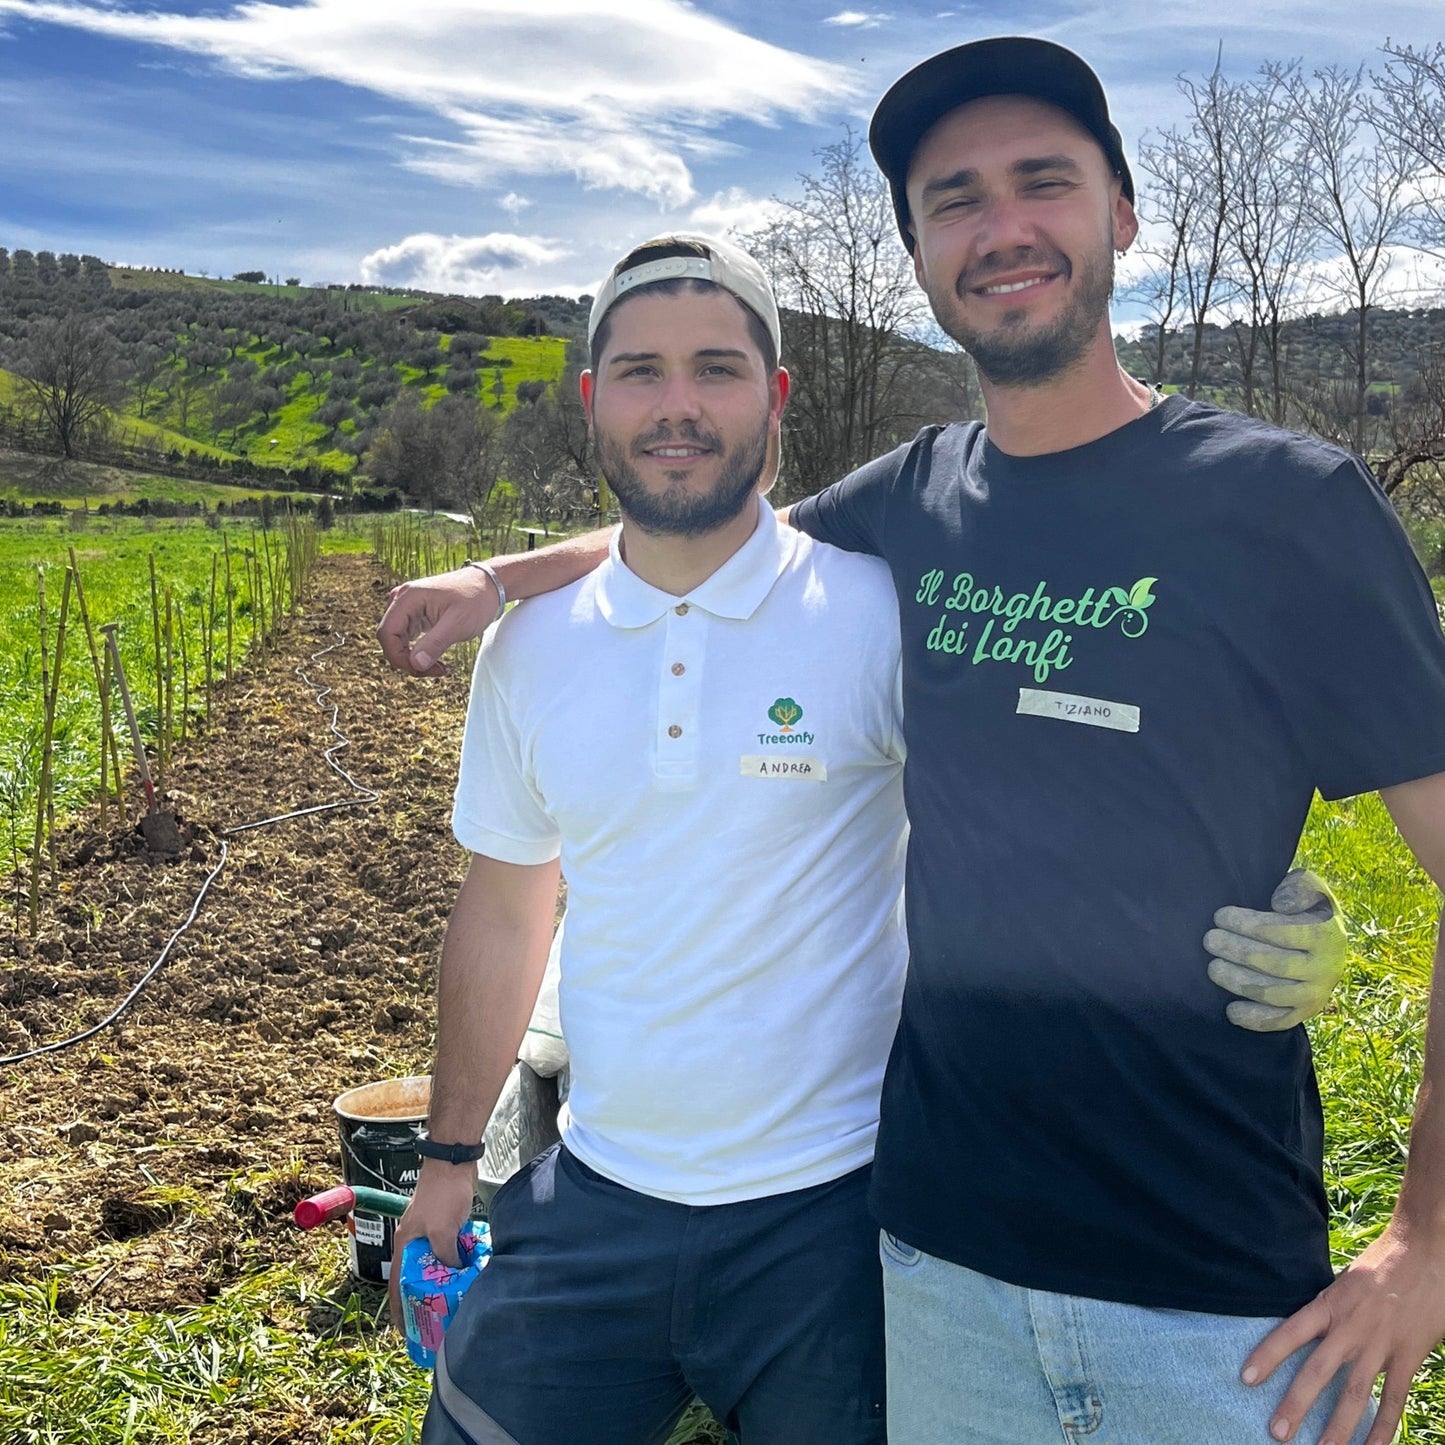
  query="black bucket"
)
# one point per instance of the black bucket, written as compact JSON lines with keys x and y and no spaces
{"x":378,"y":1124}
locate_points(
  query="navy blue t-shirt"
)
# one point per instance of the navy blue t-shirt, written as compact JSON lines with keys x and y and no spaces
{"x":1126,"y":669}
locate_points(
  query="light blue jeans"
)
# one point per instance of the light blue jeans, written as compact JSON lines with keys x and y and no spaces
{"x":975,"y":1361}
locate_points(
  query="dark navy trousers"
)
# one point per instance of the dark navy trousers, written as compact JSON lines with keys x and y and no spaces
{"x":604,"y":1311}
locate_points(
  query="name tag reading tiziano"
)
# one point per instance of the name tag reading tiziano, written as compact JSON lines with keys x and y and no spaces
{"x":1094,"y":712}
{"x":783,"y":765}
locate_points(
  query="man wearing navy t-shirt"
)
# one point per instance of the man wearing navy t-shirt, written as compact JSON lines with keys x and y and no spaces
{"x":1138,"y":634}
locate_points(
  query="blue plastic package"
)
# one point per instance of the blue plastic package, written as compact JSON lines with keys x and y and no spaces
{"x":431,"y":1292}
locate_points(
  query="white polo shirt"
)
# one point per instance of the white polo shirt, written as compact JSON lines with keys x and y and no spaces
{"x":721,"y":774}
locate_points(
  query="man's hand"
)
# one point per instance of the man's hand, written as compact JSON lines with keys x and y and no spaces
{"x":425,"y":618}
{"x":440,"y":1205}
{"x":1284,"y":964}
{"x":1383,"y":1315}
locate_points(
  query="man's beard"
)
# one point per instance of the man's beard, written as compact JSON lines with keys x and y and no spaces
{"x":679,"y":510}
{"x":1013,"y":353}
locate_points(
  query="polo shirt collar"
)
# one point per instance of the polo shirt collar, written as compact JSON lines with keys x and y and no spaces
{"x":735,"y":590}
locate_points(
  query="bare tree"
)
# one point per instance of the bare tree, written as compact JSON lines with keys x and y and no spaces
{"x":1409,"y":106}
{"x":1272,"y":234}
{"x":850,"y":303}
{"x":71,"y":373}
{"x":1410,"y":461}
{"x":1190,"y":168}
{"x":1359,"y":197}
{"x":1167,"y":205}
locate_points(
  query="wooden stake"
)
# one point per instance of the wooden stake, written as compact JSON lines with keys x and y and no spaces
{"x":160,"y":671}
{"x":107,"y":737}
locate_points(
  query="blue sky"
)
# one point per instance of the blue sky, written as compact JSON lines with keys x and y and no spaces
{"x":516,"y":145}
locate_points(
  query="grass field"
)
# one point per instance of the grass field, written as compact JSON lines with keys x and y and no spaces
{"x":114,"y":558}
{"x":27,"y":477}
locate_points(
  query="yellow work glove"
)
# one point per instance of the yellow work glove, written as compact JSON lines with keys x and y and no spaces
{"x":1284,"y":964}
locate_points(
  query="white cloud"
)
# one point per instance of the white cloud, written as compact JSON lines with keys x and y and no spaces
{"x":513,"y":204}
{"x":465,"y":264}
{"x":601,"y":156}
{"x":591,"y":88}
{"x":733,"y":210}
{"x":858,"y":19}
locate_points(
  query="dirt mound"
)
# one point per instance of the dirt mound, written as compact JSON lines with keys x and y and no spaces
{"x":309,"y":969}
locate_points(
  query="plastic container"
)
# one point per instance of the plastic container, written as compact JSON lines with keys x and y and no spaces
{"x":378,"y":1125}
{"x":431,"y":1292}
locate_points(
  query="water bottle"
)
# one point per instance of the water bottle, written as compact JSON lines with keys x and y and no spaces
{"x":431,"y":1292}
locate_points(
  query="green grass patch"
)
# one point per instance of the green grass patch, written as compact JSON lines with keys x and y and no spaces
{"x":113,"y":555}
{"x":533,"y":358}
{"x":295,"y":434}
{"x":1369,"y":1046}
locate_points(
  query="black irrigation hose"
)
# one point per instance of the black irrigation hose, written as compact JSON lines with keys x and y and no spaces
{"x":365,"y":795}
{"x":146,"y":977}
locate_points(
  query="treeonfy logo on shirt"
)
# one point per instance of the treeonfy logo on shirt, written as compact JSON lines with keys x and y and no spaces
{"x":1000,"y":614}
{"x":785,"y":713}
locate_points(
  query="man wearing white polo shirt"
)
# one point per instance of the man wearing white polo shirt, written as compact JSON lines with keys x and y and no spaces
{"x":706,"y":731}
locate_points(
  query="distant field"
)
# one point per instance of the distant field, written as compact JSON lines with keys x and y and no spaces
{"x":25,"y":477}
{"x":123,"y":278}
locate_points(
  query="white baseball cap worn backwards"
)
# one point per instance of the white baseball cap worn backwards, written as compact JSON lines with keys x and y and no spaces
{"x":698,"y":258}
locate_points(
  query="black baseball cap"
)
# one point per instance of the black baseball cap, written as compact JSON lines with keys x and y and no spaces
{"x":1005,"y":65}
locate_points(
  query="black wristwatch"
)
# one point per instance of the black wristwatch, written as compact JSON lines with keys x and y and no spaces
{"x":428,"y":1148}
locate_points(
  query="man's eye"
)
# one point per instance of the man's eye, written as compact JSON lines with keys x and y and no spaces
{"x":957,"y":203}
{"x":718,"y":369}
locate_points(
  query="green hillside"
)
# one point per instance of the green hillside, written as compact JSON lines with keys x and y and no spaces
{"x":261,"y":376}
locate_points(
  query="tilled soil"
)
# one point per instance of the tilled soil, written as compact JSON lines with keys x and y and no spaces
{"x":309,"y":969}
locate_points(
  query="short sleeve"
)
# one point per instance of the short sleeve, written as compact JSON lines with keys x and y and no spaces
{"x":498,"y":811}
{"x":1363,"y":652}
{"x":852,"y":513}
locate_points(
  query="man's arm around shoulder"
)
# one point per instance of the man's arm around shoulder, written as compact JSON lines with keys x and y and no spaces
{"x":426,"y":617}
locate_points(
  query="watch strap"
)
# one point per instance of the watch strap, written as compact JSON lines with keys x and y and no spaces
{"x":429,"y":1148}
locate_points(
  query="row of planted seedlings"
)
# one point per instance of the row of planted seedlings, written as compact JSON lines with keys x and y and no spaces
{"x":415,"y":544}
{"x":177,"y":641}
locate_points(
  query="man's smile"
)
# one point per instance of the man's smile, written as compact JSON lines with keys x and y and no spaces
{"x":1015,"y":285}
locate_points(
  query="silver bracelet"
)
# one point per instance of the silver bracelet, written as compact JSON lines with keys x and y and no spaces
{"x":496,"y":582}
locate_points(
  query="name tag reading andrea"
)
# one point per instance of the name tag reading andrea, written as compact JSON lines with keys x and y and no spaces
{"x":783,"y":765}
{"x":1094,"y":712}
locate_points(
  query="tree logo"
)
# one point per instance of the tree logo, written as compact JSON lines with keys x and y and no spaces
{"x":785,"y":712}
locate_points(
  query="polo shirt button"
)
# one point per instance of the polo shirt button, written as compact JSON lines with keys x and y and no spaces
{"x":681,"y":609}
{"x":674,"y":731}
{"x":678,"y":669}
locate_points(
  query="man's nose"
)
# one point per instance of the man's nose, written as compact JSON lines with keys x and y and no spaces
{"x":677,"y":399}
{"x":1003,"y":227}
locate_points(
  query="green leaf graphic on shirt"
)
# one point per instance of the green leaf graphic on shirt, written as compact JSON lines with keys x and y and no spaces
{"x":785,"y":712}
{"x":1141,"y":594}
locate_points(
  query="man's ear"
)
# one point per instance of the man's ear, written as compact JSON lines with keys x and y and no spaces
{"x":584,"y":385}
{"x":1125,"y":223}
{"x":781,"y":385}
